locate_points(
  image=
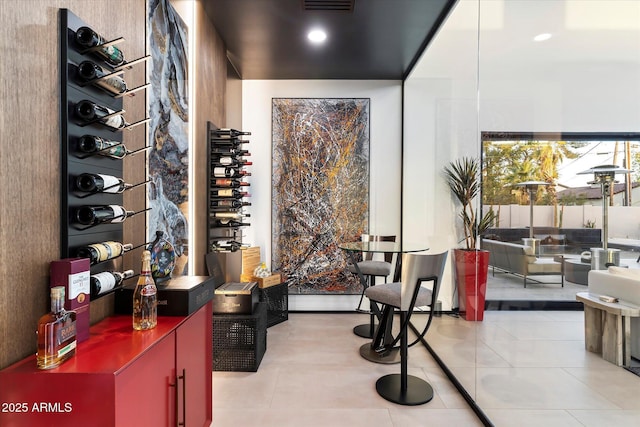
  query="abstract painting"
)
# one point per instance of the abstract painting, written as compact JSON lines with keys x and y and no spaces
{"x":168,"y":128}
{"x":320,"y":190}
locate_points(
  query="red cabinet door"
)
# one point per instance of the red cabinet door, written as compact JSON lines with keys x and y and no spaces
{"x":145,"y":390}
{"x":193,"y":363}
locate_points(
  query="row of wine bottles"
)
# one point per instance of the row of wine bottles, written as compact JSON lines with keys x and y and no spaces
{"x":227,"y":192}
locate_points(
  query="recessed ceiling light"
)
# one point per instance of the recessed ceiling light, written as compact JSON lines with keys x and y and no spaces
{"x":542,"y":37}
{"x":317,"y":36}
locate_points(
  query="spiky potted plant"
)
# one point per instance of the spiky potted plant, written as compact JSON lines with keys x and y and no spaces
{"x":471,"y":262}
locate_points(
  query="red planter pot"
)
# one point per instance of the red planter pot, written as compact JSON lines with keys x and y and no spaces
{"x":471,"y":268}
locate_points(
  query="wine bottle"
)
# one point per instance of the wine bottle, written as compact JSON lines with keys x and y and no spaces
{"x":89,"y":111}
{"x":105,"y":214}
{"x":229,"y":172}
{"x":230,"y":161}
{"x":106,"y":281}
{"x":229,"y":192}
{"x":227,"y":246}
{"x":226,"y":151}
{"x":228,"y":143}
{"x":228,"y":204}
{"x":56,"y":333}
{"x":226,"y":132}
{"x":228,"y":182}
{"x":103,"y":251}
{"x":92,"y":144}
{"x":145,"y":298}
{"x":228,"y":222}
{"x":89,"y":70}
{"x":93,"y":182}
{"x":230,"y":215}
{"x":88,"y":38}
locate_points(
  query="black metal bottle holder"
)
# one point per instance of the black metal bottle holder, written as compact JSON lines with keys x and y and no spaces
{"x":215,"y":233}
{"x":75,"y":162}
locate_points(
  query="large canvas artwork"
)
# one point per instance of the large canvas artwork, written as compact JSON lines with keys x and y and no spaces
{"x":320,"y":194}
{"x":168,"y":129}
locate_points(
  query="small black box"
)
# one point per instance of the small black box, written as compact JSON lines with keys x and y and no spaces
{"x":239,"y":340}
{"x":277,"y":299}
{"x":235,"y":298}
{"x":180,"y":296}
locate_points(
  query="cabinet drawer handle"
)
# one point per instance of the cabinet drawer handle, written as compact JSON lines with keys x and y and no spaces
{"x":183,"y":377}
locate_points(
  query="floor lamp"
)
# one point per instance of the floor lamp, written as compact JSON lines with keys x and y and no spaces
{"x":602,"y":258}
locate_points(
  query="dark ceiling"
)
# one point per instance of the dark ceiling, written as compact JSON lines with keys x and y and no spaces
{"x":367,"y":39}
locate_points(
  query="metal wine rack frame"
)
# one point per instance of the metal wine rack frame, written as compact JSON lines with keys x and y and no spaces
{"x":216,"y":233}
{"x":73,"y":162}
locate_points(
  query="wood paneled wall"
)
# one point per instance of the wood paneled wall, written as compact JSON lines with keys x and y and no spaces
{"x":30,"y":149}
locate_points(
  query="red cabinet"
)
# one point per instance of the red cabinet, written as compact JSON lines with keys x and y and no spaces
{"x":118,"y":378}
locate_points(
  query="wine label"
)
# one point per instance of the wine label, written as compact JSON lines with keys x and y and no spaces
{"x":111,"y":183}
{"x":79,"y":283}
{"x":114,"y":84}
{"x":148,"y":291}
{"x":119,"y":214}
{"x":222,"y":171}
{"x":116,"y":121}
{"x":106,"y":281}
{"x":225,"y":193}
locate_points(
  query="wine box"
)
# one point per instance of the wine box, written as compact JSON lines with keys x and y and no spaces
{"x":266,"y":282}
{"x":236,"y":298}
{"x":180,"y":296}
{"x":74,"y":275}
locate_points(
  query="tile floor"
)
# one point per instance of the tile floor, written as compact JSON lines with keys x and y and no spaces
{"x":524,"y":368}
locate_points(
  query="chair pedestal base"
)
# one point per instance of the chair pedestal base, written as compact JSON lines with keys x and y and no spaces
{"x":364,"y":331}
{"x":417,"y":392}
{"x":372,"y":356}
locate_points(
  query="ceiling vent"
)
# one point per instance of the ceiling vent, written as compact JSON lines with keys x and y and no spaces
{"x":328,"y":5}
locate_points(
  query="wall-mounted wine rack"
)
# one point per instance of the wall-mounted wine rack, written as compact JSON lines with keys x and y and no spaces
{"x":92,"y":121}
{"x":227,"y":188}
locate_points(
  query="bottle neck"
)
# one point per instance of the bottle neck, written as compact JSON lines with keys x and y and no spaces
{"x":57,"y":304}
{"x":146,"y":267}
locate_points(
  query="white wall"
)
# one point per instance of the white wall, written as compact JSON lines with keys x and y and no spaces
{"x":385,"y":160}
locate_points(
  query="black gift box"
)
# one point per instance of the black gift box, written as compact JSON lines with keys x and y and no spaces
{"x":235,"y":298}
{"x":180,"y":296}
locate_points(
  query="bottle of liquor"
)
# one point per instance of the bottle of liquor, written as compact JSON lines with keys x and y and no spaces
{"x":231,"y":215}
{"x":228,"y":204}
{"x":89,"y":70}
{"x":103,"y":214}
{"x":229,"y":223}
{"x":88,"y":38}
{"x":228,"y":182}
{"x":102,"y":283}
{"x":230,"y":133}
{"x":229,"y":192}
{"x":91,"y":144}
{"x":89,"y":111}
{"x":56,"y":333}
{"x":103,"y":251}
{"x":229,"y":172}
{"x":93,"y":183}
{"x":145,"y":300}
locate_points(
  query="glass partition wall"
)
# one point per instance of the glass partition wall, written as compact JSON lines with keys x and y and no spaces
{"x":544,"y":70}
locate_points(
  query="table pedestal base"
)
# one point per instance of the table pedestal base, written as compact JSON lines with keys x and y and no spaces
{"x":372,"y":356}
{"x":417,"y":392}
{"x":364,"y":331}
